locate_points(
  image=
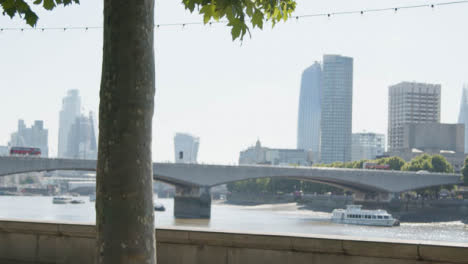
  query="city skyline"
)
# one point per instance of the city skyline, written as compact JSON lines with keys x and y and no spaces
{"x":253,"y":90}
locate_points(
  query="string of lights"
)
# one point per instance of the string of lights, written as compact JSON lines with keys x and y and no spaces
{"x":297,"y":17}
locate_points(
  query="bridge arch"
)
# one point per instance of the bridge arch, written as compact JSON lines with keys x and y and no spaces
{"x":344,"y":185}
{"x":199,"y":175}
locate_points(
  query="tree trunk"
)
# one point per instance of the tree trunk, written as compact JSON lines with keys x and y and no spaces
{"x":124,"y":205}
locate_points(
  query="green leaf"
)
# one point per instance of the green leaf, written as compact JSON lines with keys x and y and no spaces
{"x":209,"y":11}
{"x":238,"y":12}
{"x":8,"y":4}
{"x":20,"y":7}
{"x":257,"y":19}
{"x":235,"y":32}
{"x":31,"y":18}
{"x":49,"y":4}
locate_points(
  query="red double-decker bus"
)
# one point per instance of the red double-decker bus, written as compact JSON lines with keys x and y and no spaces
{"x":375,"y":166}
{"x":25,"y":151}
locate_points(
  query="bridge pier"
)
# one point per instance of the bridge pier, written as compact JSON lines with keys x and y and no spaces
{"x":192,"y":202}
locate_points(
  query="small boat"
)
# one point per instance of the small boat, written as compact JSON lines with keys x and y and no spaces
{"x":61,"y":200}
{"x":353,"y":214}
{"x":159,"y":207}
{"x":77,"y":201}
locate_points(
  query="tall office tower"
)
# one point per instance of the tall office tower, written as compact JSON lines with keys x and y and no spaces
{"x":337,"y":109}
{"x":71,"y":106}
{"x":463,"y":116}
{"x":367,"y":146}
{"x":408,"y":103}
{"x":82,"y":138}
{"x":308,"y":123}
{"x":186,"y":148}
{"x":36,"y":137}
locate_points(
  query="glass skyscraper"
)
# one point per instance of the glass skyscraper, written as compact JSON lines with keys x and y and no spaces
{"x":337,"y":109}
{"x":308,"y":123}
{"x":463,"y":116}
{"x":71,"y":107}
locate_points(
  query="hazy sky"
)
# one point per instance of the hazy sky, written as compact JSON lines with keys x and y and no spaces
{"x":231,"y":93}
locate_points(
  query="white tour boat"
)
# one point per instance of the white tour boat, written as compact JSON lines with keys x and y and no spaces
{"x":61,"y":200}
{"x":353,"y":214}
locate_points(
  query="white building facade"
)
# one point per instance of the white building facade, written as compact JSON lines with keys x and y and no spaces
{"x":367,"y":146}
{"x":186,"y":148}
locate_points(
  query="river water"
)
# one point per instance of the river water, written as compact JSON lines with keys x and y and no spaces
{"x":278,"y":218}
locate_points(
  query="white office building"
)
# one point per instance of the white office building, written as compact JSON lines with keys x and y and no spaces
{"x":186,"y":148}
{"x":367,"y":146}
{"x":4,"y":151}
{"x":410,"y":103}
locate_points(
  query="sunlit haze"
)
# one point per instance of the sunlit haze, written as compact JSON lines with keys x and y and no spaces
{"x":231,"y":93}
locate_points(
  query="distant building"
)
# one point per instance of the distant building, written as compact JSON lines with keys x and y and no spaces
{"x":308,"y":123}
{"x":4,"y":151}
{"x":71,"y":107}
{"x":463,"y":116}
{"x":447,"y":140}
{"x":186,"y":148}
{"x":434,"y":137}
{"x":262,"y":155}
{"x":367,"y":146}
{"x":35,"y":136}
{"x":337,"y":109}
{"x":411,"y":102}
{"x":82,"y":143}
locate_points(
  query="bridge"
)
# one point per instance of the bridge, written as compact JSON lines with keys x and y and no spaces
{"x":193,"y":181}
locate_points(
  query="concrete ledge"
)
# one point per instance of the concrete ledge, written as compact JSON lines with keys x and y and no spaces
{"x":45,"y":242}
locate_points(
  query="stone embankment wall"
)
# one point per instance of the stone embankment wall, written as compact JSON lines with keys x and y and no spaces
{"x":52,"y":243}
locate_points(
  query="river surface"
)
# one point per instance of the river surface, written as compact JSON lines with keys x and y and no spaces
{"x":278,"y":218}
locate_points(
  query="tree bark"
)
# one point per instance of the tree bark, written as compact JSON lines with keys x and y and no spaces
{"x":124,"y":205}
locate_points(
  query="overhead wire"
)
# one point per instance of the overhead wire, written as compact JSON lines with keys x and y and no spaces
{"x":297,"y":17}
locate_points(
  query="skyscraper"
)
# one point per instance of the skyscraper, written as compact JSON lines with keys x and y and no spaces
{"x":35,"y":136}
{"x":82,"y":138}
{"x":410,"y":102}
{"x":308,"y":123}
{"x":337,"y":108}
{"x":463,"y":116}
{"x":71,"y":106}
{"x":186,"y":148}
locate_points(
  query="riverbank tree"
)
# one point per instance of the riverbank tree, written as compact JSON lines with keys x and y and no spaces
{"x":465,"y":172}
